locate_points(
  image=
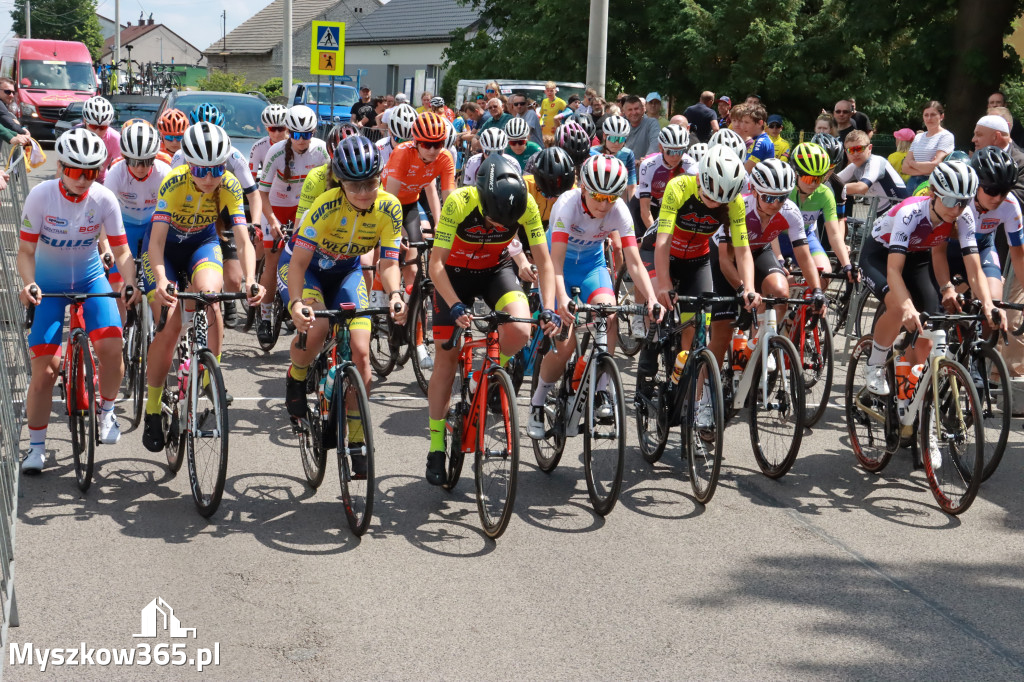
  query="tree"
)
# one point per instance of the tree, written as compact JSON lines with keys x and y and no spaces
{"x":62,"y":20}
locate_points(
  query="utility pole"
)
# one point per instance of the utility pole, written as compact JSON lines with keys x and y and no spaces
{"x":597,"y":45}
{"x":28,"y":18}
{"x":224,"y":30}
{"x":117,"y":34}
{"x":286,"y":51}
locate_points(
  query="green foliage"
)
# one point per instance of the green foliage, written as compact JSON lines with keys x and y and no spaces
{"x":221,"y":81}
{"x":61,"y":20}
{"x":272,"y":88}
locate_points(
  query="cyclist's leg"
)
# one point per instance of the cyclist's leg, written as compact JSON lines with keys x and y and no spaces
{"x":412,"y":231}
{"x":502,"y":291}
{"x":271,"y":259}
{"x":44,"y":340}
{"x":352,"y":289}
{"x":161,"y":348}
{"x":313,"y":297}
{"x":207,"y":266}
{"x":722,"y":315}
{"x":691,"y":277}
{"x":103,"y":324}
{"x":818,"y":252}
{"x":445,"y":361}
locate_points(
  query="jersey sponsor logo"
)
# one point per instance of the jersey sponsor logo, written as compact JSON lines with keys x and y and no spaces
{"x":67,"y":243}
{"x":700,"y":220}
{"x":902,"y":237}
{"x":325,"y":263}
{"x":483,"y":230}
{"x":89,"y":228}
{"x":188,"y":197}
{"x":162,"y":204}
{"x":55,"y":221}
{"x":990,"y":224}
{"x":130,"y":196}
{"x":309,"y":232}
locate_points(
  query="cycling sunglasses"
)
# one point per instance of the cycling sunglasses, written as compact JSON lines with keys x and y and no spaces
{"x":139,"y":163}
{"x":950,"y":202}
{"x":674,"y":152}
{"x":621,"y":139}
{"x":603,"y":198}
{"x":430,"y":145}
{"x":203,"y":171}
{"x":174,"y":138}
{"x":995,"y":191}
{"x":517,"y":143}
{"x":99,"y":130}
{"x":772,"y":198}
{"x":81,"y":173}
{"x":276,"y":129}
{"x":302,"y":136}
{"x":811,"y":179}
{"x":856,"y":150}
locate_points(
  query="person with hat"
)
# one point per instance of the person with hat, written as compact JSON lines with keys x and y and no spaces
{"x":654,"y":108}
{"x":904,"y":136}
{"x":401,"y":98}
{"x":775,"y":135}
{"x":724,"y":108}
{"x":702,"y":118}
{"x":364,"y":112}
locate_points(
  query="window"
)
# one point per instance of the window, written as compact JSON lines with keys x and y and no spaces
{"x":391,"y":85}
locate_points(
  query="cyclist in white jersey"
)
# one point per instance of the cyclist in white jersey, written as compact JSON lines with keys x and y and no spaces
{"x":399,"y":121}
{"x":273,"y":120}
{"x":871,"y":175}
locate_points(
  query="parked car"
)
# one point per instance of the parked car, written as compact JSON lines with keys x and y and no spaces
{"x":318,"y":98}
{"x":147,"y":107}
{"x":241,"y":113}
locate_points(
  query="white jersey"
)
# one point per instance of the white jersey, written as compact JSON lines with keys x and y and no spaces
{"x":137,"y":197}
{"x":385,"y":147}
{"x":65,"y":233}
{"x":469,"y":170}
{"x":258,"y":154}
{"x":1007,"y":214}
{"x":880,"y":177}
{"x":907,"y":228}
{"x":285,"y":192}
{"x":236,"y":163}
{"x":653,"y":176}
{"x":582,"y":233}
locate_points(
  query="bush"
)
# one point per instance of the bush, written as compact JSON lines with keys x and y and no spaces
{"x":272,"y":88}
{"x":221,"y":81}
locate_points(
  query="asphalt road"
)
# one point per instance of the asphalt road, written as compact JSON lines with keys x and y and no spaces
{"x":827,"y":573}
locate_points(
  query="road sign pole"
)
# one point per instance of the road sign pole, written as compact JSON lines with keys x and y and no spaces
{"x":286,"y":52}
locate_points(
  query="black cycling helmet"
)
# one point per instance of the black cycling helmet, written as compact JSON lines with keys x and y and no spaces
{"x":553,"y":171}
{"x":356,"y":158}
{"x":997,"y":173}
{"x":587,"y":123}
{"x":502,"y":191}
{"x":832,"y":145}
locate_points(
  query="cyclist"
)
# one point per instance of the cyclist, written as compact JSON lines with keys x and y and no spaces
{"x":906,"y":256}
{"x":616,"y":129}
{"x":322,"y":268}
{"x":97,"y":117}
{"x":837,"y":155}
{"x":731,"y":139}
{"x":172,"y":125}
{"x":553,"y":175}
{"x":697,"y":152}
{"x":580,"y":222}
{"x":288,"y":162}
{"x":492,"y":141}
{"x":520,"y":146}
{"x":184,"y":245}
{"x":748,"y":120}
{"x":400,"y":121}
{"x":53,"y":263}
{"x":869,"y":174}
{"x":470,"y":258}
{"x":273,"y":119}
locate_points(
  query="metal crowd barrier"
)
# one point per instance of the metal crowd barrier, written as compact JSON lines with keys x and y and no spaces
{"x":14,"y":365}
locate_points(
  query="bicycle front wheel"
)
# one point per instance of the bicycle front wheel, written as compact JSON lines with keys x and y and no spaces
{"x":497,"y":454}
{"x":206,"y":432}
{"x":311,"y":434}
{"x":421,"y":333}
{"x":953,"y":448}
{"x":454,"y":420}
{"x":604,"y":437}
{"x":777,"y":412}
{"x":81,"y":397}
{"x":355,"y":448}
{"x":625,"y":295}
{"x":138,"y":368}
{"x":996,"y":402}
{"x":703,"y":426}
{"x":867,"y":413}
{"x":817,"y":361}
{"x":548,"y":450}
{"x":383,"y":355}
{"x":173,"y":417}
{"x":652,"y":413}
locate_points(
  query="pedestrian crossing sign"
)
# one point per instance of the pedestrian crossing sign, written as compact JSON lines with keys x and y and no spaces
{"x":328,"y":51}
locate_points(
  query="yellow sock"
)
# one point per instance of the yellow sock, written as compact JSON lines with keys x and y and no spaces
{"x":503,"y":359}
{"x":153,"y":396}
{"x":298,"y":373}
{"x":355,"y":427}
{"x":437,"y":429}
{"x":206,"y":375}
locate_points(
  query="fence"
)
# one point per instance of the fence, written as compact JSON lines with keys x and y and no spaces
{"x":13,"y":385}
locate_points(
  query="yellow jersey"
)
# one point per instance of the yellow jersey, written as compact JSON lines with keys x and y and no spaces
{"x":474,"y":244}
{"x":548,"y":110}
{"x":188,"y":212}
{"x":338,"y":233}
{"x":691,"y":223}
{"x":313,"y":186}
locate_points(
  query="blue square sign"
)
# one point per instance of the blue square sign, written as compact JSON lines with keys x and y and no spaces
{"x":327,"y":38}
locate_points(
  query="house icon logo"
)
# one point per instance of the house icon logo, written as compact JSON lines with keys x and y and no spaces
{"x":158,"y":615}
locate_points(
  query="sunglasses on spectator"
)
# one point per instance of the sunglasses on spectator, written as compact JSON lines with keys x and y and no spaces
{"x":618,"y":139}
{"x":995,"y":191}
{"x":519,"y":104}
{"x":96,"y":128}
{"x":489,"y":92}
{"x":9,"y":92}
{"x":174,"y":138}
{"x":139,"y":163}
{"x":517,"y":143}
{"x":842,"y":111}
{"x":811,"y":179}
{"x":674,"y":152}
{"x":775,"y":125}
{"x":430,"y":145}
{"x":773,"y":198}
{"x":276,"y":129}
{"x":950,"y":202}
{"x":81,"y":173}
{"x":301,"y":136}
{"x":857,"y":149}
{"x":203,"y":171}
{"x":603,"y":198}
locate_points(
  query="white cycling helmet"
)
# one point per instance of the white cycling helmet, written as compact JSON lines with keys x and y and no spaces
{"x":139,"y":140}
{"x":274,"y":115}
{"x":437,"y":101}
{"x":721,"y":174}
{"x":604,"y":175}
{"x":97,"y":111}
{"x":517,"y":129}
{"x":206,"y":144}
{"x":772,"y":176}
{"x":493,"y":140}
{"x":731,"y":139}
{"x":615,"y":126}
{"x":449,"y":137}
{"x":81,"y":148}
{"x":403,"y":117}
{"x":674,"y":136}
{"x":697,"y":151}
{"x":954,"y":179}
{"x":301,"y":119}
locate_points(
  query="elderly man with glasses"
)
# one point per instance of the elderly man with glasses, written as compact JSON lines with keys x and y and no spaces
{"x":498,"y":116}
{"x":520,"y":109}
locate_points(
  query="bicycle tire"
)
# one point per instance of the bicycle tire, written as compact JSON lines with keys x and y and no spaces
{"x":866,"y":414}
{"x":996,"y":404}
{"x":954,"y":472}
{"x":702,"y":447}
{"x":206,"y":414}
{"x":356,"y":491}
{"x":311,"y":435}
{"x":455,"y":418}
{"x":817,"y":358}
{"x":252,"y":311}
{"x":604,"y":470}
{"x":382,"y":356}
{"x":421,"y":319}
{"x":497,"y":468}
{"x":624,"y":295}
{"x":776,"y":459}
{"x":651,"y":414}
{"x":173,"y":418}
{"x":136,"y":367}
{"x":548,"y":451}
{"x":82,"y":418}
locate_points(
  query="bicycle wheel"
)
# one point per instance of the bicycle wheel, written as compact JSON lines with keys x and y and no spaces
{"x":996,"y":400}
{"x":866,"y":413}
{"x":953,"y":457}
{"x":865,"y":307}
{"x":838,"y":308}
{"x":455,"y":419}
{"x":173,"y":417}
{"x":382,"y":353}
{"x":355,"y":441}
{"x":276,"y":320}
{"x":422,"y":329}
{"x":497,"y":454}
{"x":252,"y":311}
{"x":652,"y":415}
{"x":206,"y":433}
{"x":548,"y":451}
{"x":311,"y":434}
{"x":777,"y":414}
{"x":604,"y":447}
{"x":818,"y":362}
{"x":81,"y":397}
{"x":135,"y":369}
{"x":703,"y":426}
{"x":624,"y":295}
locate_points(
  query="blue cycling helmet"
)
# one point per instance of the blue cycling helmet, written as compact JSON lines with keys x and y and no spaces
{"x":206,"y":112}
{"x":356,"y":158}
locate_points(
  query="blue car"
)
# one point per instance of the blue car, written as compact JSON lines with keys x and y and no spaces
{"x":318,"y":98}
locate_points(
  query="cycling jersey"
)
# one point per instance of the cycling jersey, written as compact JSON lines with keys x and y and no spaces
{"x":549,"y":109}
{"x":1007,"y":214}
{"x":818,"y":204}
{"x":544,"y":204}
{"x":474,"y":244}
{"x":385,"y":147}
{"x":528,"y":152}
{"x":691,"y":223}
{"x":258,"y":154}
{"x":788,"y":220}
{"x":313,"y":186}
{"x":654,"y":175}
{"x":413,"y":174}
{"x":137,"y":199}
{"x":112,"y":141}
{"x":190,"y":215}
{"x":584,"y":234}
{"x":236,"y":163}
{"x":626,"y":156}
{"x":472,"y":167}
{"x":760,"y":148}
{"x":284,"y":192}
{"x":880,"y":177}
{"x":907,"y":228}
{"x":838,"y":189}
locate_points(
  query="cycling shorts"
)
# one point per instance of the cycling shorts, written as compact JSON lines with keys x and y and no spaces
{"x":917,"y":275}
{"x":590,"y":274}
{"x":183,"y":261}
{"x":990,"y":263}
{"x":102,"y":321}
{"x":765,"y":264}
{"x":412,"y":216}
{"x":330,"y":289}
{"x":812,"y":241}
{"x":284,"y":215}
{"x":690,"y":277}
{"x":498,"y":288}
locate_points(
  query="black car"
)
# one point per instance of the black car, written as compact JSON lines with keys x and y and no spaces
{"x":126,"y":107}
{"x":241,"y":113}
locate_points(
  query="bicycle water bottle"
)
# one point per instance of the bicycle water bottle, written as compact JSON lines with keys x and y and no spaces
{"x":577,"y":373}
{"x":740,"y":349}
{"x":182,"y":374}
{"x":907,"y":376}
{"x":677,"y":370}
{"x":329,"y":382}
{"x":474,"y":381}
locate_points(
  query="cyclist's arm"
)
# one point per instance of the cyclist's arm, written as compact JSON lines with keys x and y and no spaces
{"x":637,"y":271}
{"x":157,"y":240}
{"x":837,"y":238}
{"x":268,"y":213}
{"x":301,"y":258}
{"x":1017,"y":258}
{"x":894,"y":277}
{"x":27,"y":264}
{"x":246,"y":253}
{"x":433,"y":202}
{"x":393,"y":186}
{"x":557,"y":260}
{"x":439,"y":275}
{"x":662,"y":252}
{"x":255,"y":198}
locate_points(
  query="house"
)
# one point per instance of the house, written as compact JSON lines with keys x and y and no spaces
{"x":107,"y":26}
{"x":153,"y":42}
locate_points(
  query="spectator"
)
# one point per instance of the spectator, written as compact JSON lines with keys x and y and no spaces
{"x":753,"y":99}
{"x":589,"y":98}
{"x":401,"y":98}
{"x":775,"y":135}
{"x":928,"y":148}
{"x":860,"y":119}
{"x":13,"y":138}
{"x":843,"y":113}
{"x":550,"y":107}
{"x":389,"y":101}
{"x":654,"y":109}
{"x":498,"y":117}
{"x":380,"y":106}
{"x":425,"y":102}
{"x":994,"y":129}
{"x":904,"y":136}
{"x":724,"y":105}
{"x":471,"y":115}
{"x":998,"y":99}
{"x":8,"y":90}
{"x":364,"y":112}
{"x":748,"y":120}
{"x":643,"y":136}
{"x":570,"y":108}
{"x":702,"y":117}
{"x":825,"y":124}
{"x":520,"y":109}
{"x":598,"y":114}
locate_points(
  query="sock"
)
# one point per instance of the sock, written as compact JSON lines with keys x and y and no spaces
{"x":503,"y":359}
{"x":37,"y":438}
{"x":437,"y":427}
{"x":878,"y":354}
{"x":541,"y":394}
{"x":298,"y":373}
{"x":266,"y":310}
{"x":206,"y":375}
{"x":355,"y":427}
{"x":153,"y":396}
{"x":106,"y":407}
{"x":419,"y":336}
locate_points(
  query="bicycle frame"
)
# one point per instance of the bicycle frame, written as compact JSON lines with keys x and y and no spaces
{"x":472,"y":433}
{"x":744,"y":384}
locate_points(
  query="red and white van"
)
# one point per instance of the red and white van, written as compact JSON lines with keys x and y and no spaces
{"x":50,"y":75}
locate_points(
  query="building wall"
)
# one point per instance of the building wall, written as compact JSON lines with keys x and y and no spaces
{"x":147,"y":48}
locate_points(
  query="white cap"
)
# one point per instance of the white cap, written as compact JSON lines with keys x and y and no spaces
{"x":997,"y":123}
{"x":386,"y":116}
{"x":401,"y":98}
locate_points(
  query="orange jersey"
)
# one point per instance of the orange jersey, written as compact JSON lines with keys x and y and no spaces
{"x":413,"y":175}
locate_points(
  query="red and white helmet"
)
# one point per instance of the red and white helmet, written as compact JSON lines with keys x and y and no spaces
{"x":604,"y":175}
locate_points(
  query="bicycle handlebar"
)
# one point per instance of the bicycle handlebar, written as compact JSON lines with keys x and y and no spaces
{"x":30,"y":311}
{"x":493,"y":318}
{"x":204,"y":298}
{"x":348,"y":311}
